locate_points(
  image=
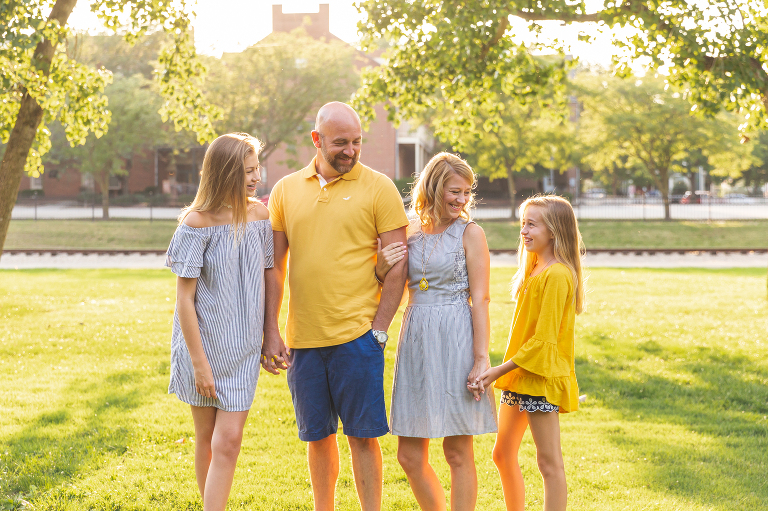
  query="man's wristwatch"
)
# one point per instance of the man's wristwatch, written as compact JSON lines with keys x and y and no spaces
{"x":381,"y":337}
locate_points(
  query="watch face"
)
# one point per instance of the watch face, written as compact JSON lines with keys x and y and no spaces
{"x":381,"y":337}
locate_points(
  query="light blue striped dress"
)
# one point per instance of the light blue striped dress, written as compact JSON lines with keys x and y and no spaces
{"x":435,"y":349}
{"x":230,"y":310}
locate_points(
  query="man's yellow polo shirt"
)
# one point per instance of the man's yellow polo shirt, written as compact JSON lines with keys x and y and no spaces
{"x":332,"y":233}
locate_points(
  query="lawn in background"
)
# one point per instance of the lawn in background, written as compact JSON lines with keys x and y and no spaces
{"x":142,"y":234}
{"x":650,"y":234}
{"x":674,"y":364}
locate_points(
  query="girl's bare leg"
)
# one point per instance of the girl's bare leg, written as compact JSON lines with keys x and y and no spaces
{"x":225,"y":447}
{"x":205,"y":420}
{"x":545,"y":429}
{"x":512,"y":425}
{"x":413,"y":455}
{"x":460,"y":455}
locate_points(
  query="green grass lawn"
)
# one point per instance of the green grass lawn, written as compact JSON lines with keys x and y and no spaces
{"x":142,"y":234}
{"x":674,"y":364}
{"x":651,"y":234}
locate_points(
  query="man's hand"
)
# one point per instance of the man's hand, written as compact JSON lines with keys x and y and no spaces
{"x":274,"y":354}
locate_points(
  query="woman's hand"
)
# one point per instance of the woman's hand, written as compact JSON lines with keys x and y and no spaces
{"x":481,"y":365}
{"x":204,"y":380}
{"x":387,"y":257}
{"x":484,"y":380}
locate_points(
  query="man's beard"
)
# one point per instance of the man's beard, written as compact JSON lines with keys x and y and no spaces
{"x":336,"y":163}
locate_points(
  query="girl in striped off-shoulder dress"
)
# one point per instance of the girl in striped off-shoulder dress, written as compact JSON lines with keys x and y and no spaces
{"x":220,"y":252}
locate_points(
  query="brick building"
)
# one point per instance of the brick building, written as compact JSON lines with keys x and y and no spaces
{"x":395,"y":152}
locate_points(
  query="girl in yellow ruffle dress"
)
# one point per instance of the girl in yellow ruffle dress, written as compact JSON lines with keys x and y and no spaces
{"x":537,"y":378}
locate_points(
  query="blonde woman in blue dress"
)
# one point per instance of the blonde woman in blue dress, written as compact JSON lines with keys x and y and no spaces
{"x":220,"y":253}
{"x":443,"y":341}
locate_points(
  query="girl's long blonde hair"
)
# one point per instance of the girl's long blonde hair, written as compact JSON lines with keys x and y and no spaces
{"x":569,"y":249}
{"x":427,"y":192}
{"x":222,"y":179}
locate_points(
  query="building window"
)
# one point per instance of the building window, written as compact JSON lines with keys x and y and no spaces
{"x":87,"y":182}
{"x":115,"y":183}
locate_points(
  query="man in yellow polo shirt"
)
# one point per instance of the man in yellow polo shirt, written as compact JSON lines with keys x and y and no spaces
{"x":329,"y":215}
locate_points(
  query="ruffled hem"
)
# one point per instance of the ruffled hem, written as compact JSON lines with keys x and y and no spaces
{"x":183,"y":269}
{"x":541,"y":358}
{"x":562,"y":391}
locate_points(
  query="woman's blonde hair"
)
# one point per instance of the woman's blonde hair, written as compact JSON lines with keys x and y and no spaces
{"x":427,"y":192}
{"x":222,"y":179}
{"x":569,"y":249}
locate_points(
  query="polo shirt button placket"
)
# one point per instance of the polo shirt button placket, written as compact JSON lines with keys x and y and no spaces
{"x":323,"y":197}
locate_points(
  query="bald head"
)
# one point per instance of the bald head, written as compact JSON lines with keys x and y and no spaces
{"x":338,"y":137}
{"x":336,"y":115}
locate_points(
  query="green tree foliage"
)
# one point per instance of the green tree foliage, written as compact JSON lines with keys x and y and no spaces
{"x":134,"y":125}
{"x":638,"y":125}
{"x":528,"y":139}
{"x":274,"y":87}
{"x":40,"y":83}
{"x":114,"y":53}
{"x":460,"y":51}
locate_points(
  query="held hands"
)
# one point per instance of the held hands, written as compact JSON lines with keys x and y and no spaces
{"x":387,"y":257}
{"x":204,"y":380}
{"x":274,"y":354}
{"x":481,"y":365}
{"x":484,"y":380}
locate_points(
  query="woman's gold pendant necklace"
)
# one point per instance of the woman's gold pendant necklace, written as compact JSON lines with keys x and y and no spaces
{"x":424,"y":283}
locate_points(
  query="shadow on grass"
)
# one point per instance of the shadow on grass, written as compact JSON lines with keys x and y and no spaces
{"x":717,"y":399}
{"x":57,"y":446}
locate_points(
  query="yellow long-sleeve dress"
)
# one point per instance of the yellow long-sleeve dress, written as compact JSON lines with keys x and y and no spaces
{"x":541,"y":340}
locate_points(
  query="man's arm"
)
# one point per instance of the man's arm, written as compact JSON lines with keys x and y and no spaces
{"x":394,"y":281}
{"x":274,"y":353}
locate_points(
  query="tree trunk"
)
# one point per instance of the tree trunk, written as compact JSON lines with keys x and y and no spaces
{"x":512,"y":191}
{"x":27,"y":121}
{"x":664,"y":189}
{"x":104,"y":185}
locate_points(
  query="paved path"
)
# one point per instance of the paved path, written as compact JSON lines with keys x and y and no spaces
{"x":688,"y":260}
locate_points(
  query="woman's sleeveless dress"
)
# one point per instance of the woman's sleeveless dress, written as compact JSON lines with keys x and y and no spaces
{"x":435,"y":349}
{"x":230,"y":310}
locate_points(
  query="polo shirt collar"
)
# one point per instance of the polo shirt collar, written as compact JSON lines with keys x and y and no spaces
{"x":309,"y":172}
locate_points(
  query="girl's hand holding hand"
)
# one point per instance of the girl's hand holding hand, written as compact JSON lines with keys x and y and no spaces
{"x":204,"y":381}
{"x":481,"y":365}
{"x":485,"y":379}
{"x":387,"y":257}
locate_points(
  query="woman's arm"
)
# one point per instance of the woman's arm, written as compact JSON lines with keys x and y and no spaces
{"x":479,"y":272}
{"x":185,"y":304}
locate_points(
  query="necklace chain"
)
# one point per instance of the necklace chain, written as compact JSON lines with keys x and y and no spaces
{"x":530,"y":277}
{"x":424,"y":283}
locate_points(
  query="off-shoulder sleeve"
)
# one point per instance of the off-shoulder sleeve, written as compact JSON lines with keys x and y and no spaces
{"x":540,"y":355}
{"x":185,"y":253}
{"x":269,"y":247}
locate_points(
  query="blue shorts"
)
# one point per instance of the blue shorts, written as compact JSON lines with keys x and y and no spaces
{"x":339,"y":382}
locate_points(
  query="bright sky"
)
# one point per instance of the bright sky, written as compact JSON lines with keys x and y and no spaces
{"x":233,"y":25}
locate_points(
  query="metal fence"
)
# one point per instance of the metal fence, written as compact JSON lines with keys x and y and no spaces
{"x":607,"y":208}
{"x":652,"y":208}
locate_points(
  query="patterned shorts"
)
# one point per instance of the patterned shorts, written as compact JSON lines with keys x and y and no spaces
{"x":528,"y":403}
